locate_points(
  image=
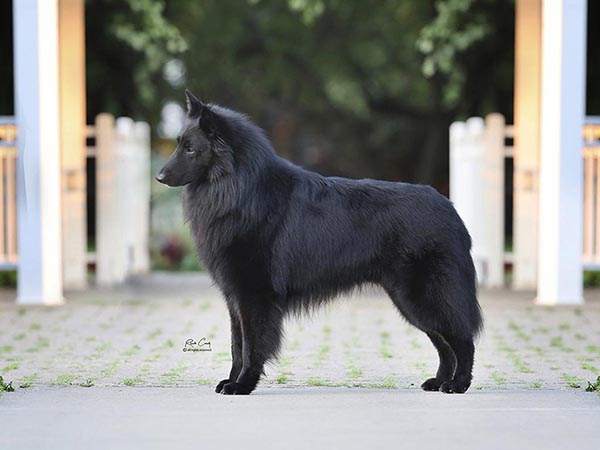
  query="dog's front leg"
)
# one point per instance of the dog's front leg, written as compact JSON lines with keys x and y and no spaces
{"x":236,"y":350}
{"x":261,"y":325}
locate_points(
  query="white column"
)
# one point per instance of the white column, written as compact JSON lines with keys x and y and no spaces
{"x":38,"y":167}
{"x":528,"y":62}
{"x":560,"y":277}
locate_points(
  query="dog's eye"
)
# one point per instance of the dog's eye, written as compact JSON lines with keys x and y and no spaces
{"x":189,"y":149}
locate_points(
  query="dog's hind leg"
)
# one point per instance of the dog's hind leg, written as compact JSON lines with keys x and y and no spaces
{"x":236,"y":350}
{"x":464,"y":350}
{"x":261,"y":325}
{"x":447,"y":365}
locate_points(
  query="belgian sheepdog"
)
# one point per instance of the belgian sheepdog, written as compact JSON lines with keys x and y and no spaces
{"x":279,"y":239}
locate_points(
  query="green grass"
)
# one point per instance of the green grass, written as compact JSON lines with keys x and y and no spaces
{"x":353,"y":371}
{"x":133,"y":349}
{"x":64,"y":379}
{"x":133,"y":381}
{"x":572,"y":381}
{"x":498,"y":377}
{"x":385,"y":345}
{"x":35,"y":326}
{"x":41,"y":343}
{"x":111,"y":368}
{"x":316,"y":382}
{"x":536,"y":384}
{"x":9,"y":367}
{"x":282,"y":378}
{"x":322,"y":354}
{"x":154,"y":333}
{"x":519,"y":363}
{"x":19,"y":337}
{"x":174,"y":375}
{"x":103,"y":347}
{"x":28,"y":380}
{"x":388,"y":383}
{"x":587,"y":366}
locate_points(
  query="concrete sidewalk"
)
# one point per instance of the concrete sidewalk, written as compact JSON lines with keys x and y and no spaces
{"x":299,"y":418}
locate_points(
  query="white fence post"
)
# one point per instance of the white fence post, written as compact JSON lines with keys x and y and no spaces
{"x":477,"y":191}
{"x":141,"y":253}
{"x":493,"y":206}
{"x":466,"y":184}
{"x":109,"y":237}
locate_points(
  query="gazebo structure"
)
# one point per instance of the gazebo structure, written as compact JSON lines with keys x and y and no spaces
{"x":550,"y":49}
{"x":49,"y":48}
{"x":556,"y":203}
{"x":50,"y":246}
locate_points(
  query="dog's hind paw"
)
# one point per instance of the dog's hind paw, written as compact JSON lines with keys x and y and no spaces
{"x":234,"y":388}
{"x":219,"y":387}
{"x":432,"y":384}
{"x":455,"y":386}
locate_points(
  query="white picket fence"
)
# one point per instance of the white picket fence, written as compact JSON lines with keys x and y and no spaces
{"x":122,"y":153}
{"x":477,"y":152}
{"x":478,"y":149}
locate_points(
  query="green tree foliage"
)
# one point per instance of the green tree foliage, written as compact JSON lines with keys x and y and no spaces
{"x":350,"y":87}
{"x":127,"y":44}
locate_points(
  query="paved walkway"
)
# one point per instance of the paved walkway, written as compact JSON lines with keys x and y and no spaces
{"x":134,"y":336}
{"x":349,"y":374}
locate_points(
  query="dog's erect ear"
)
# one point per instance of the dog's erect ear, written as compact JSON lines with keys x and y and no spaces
{"x":194,"y":105}
{"x":209,"y":122}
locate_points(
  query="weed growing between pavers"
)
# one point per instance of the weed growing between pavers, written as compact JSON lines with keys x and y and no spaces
{"x":175,"y":374}
{"x":572,"y":381}
{"x":6,"y":386}
{"x":385,"y":345}
{"x":8,"y":368}
{"x":593,"y":387}
{"x":28,"y":380}
{"x":65,"y":379}
{"x":133,"y":381}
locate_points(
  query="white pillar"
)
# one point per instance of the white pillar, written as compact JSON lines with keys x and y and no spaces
{"x":38,"y":167}
{"x":528,"y":62}
{"x":560,"y":277}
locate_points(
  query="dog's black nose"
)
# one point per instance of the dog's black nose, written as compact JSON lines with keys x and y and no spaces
{"x":160,"y":176}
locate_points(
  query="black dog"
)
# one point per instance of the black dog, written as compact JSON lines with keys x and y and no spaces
{"x":278,"y":239}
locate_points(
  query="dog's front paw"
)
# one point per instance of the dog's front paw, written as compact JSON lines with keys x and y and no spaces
{"x":455,"y":386}
{"x":219,"y":387}
{"x":234,"y":388}
{"x":432,"y":384}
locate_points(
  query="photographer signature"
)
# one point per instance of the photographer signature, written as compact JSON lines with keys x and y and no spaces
{"x":202,"y":345}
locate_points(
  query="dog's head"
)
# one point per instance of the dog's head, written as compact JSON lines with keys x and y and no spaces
{"x":202,"y":152}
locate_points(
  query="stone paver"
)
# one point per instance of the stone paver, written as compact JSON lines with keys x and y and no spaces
{"x":134,"y":336}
